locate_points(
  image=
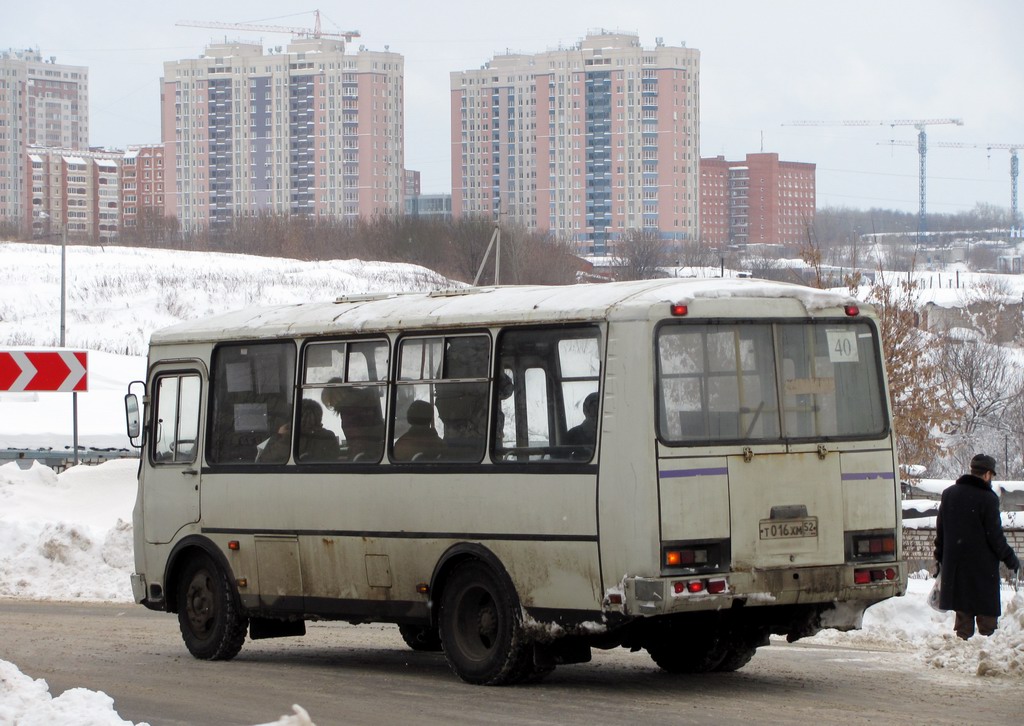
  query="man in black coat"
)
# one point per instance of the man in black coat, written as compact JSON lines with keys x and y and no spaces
{"x":969,"y":545}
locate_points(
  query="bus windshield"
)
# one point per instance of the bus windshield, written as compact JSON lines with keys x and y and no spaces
{"x":764,"y":382}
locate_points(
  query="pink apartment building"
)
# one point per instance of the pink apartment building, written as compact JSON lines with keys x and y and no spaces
{"x":586,"y":143}
{"x":311,"y":131}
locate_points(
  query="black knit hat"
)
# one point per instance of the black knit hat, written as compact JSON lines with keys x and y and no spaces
{"x":985,"y":462}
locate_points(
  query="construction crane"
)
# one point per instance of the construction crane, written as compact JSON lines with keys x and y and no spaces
{"x":1014,"y":162}
{"x":314,"y":32}
{"x":922,"y":149}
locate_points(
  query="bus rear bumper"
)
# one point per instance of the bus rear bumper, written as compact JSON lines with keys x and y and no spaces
{"x":834,"y":586}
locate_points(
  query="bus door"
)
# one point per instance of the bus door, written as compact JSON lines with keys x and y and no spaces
{"x":786,"y":509}
{"x":170,"y":481}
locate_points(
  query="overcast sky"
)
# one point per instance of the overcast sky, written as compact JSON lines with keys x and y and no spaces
{"x":763,"y":63}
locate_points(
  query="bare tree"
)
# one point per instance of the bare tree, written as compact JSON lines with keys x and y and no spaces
{"x":641,"y":254}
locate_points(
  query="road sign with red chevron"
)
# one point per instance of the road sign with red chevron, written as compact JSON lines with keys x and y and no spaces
{"x":43,"y":370}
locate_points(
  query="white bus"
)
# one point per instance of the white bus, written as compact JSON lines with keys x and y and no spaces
{"x":516,"y":475}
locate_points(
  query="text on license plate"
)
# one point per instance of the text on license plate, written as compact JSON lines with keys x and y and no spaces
{"x":786,"y":528}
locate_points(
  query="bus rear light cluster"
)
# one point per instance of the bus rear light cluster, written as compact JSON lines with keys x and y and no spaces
{"x":867,"y":576}
{"x":679,"y":310}
{"x":714,"y":586}
{"x":851,"y":310}
{"x":686,"y":557}
{"x":875,"y":546}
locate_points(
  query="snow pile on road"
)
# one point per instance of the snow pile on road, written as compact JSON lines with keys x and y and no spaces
{"x":28,"y":702}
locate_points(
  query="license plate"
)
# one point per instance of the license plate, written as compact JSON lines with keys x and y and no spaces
{"x":787,"y":528}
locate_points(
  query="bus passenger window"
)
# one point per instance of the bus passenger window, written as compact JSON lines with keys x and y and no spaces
{"x":347,"y":381}
{"x":550,"y":412}
{"x":452,"y":374}
{"x":253,"y":388}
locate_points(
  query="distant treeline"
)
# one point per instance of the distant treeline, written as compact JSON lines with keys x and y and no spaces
{"x":453,"y":248}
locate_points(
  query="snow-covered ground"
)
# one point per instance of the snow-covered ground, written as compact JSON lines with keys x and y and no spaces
{"x":69,"y":536}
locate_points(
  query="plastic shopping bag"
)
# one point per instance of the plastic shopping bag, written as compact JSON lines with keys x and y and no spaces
{"x":933,"y":596}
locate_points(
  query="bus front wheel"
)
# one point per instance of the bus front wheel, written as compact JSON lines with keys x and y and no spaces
{"x":212,"y":624}
{"x":481,"y":628}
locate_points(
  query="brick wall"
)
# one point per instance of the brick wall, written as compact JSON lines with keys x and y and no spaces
{"x":919,"y":546}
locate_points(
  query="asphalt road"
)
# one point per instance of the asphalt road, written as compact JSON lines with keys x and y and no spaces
{"x":343,"y":674}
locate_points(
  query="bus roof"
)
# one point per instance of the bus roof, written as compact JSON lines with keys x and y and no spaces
{"x":502,"y":305}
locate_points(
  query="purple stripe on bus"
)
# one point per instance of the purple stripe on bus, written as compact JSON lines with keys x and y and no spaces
{"x":869,"y":475}
{"x":677,"y":473}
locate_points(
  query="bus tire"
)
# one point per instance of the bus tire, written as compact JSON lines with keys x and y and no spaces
{"x":209,"y":616}
{"x":420,"y":637}
{"x":696,"y":655}
{"x":735,"y":658}
{"x":481,"y":628}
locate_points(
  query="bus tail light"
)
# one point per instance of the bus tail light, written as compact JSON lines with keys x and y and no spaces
{"x":686,"y":557}
{"x":867,"y":576}
{"x":679,"y":310}
{"x":851,"y":310}
{"x":873,"y":546}
{"x":714,"y":586}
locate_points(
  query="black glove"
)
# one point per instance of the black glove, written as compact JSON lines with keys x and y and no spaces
{"x":1014,"y":564}
{"x":938,"y":568}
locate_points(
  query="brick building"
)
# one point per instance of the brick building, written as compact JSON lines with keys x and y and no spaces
{"x":760,"y":200}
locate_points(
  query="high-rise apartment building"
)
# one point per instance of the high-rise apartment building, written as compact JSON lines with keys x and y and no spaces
{"x":42,"y":103}
{"x":311,"y":131}
{"x":75,"y":191}
{"x":586,"y":143}
{"x":760,"y":200}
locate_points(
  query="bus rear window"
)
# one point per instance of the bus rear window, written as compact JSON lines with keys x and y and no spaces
{"x":768,"y":382}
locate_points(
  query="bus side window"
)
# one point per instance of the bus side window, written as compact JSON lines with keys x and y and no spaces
{"x":253,"y":390}
{"x":543,"y":415}
{"x":348,"y":379}
{"x":177,"y":418}
{"x":450,"y":372}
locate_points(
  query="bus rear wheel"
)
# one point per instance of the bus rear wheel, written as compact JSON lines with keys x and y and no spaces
{"x":211,"y":622}
{"x":692,"y":655}
{"x":481,"y":628}
{"x":420,"y":637}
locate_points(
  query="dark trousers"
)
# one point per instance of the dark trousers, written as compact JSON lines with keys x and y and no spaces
{"x":964,"y":625}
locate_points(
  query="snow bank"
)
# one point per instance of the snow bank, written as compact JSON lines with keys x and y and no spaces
{"x":27,"y":702}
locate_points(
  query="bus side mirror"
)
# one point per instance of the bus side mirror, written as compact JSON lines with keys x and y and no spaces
{"x":131,"y":410}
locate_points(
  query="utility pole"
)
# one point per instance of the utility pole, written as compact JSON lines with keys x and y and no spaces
{"x":63,"y":308}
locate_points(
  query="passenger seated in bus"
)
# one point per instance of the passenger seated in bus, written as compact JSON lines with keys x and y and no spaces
{"x":462,"y":408}
{"x":420,"y":442}
{"x":584,"y":436}
{"x":362,"y":422}
{"x":315,"y":442}
{"x":275,"y":449}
